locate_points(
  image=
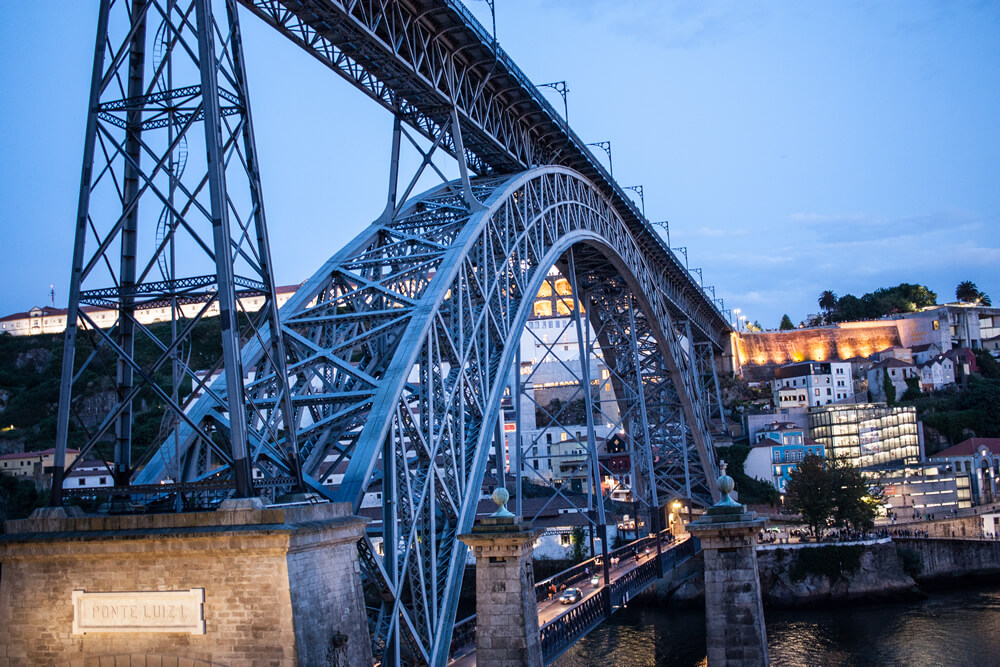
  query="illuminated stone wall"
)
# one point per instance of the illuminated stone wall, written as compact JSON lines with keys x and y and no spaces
{"x":841,"y":342}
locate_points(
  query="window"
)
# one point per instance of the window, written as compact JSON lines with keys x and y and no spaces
{"x":103,"y":481}
{"x":548,"y":438}
{"x":828,"y":392}
{"x":816,"y":392}
{"x":82,"y":481}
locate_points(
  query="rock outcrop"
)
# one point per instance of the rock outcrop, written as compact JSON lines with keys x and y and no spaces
{"x":876,"y":574}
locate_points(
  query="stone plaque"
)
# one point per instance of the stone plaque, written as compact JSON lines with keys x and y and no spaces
{"x":139,"y":611}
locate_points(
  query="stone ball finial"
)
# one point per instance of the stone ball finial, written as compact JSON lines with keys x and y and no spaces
{"x":501,"y":496}
{"x":726,"y":485}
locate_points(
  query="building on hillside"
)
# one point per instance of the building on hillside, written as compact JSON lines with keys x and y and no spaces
{"x":947,"y":327}
{"x":936,"y":373}
{"x":980,"y":459}
{"x":965,"y":364}
{"x":33,"y":464}
{"x":91,"y":474}
{"x":915,"y":490}
{"x":992,"y":345}
{"x":756,"y":423}
{"x":51,"y":320}
{"x":779,"y":448}
{"x":896,"y":370}
{"x":812,"y":383}
{"x":921,"y":354}
{"x":867,"y":434}
{"x":897,"y":352}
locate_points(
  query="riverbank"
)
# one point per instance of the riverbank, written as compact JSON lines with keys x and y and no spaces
{"x":897,"y":569}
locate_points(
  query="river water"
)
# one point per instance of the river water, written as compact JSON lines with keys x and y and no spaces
{"x":957,"y":627}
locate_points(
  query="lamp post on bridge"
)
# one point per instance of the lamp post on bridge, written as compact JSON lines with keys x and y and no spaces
{"x":606,"y":147}
{"x":561,"y":88}
{"x":665,"y":225}
{"x":642,"y":198}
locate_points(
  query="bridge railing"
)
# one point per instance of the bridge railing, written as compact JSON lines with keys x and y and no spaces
{"x":593,"y":565}
{"x":562,"y":632}
{"x":463,"y":636}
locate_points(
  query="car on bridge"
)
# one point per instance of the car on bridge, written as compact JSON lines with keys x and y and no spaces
{"x":570,"y":595}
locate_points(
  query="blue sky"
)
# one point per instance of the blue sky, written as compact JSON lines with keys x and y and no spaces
{"x":794,"y":147}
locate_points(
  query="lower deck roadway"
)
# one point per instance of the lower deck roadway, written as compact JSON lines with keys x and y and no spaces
{"x":550,"y":610}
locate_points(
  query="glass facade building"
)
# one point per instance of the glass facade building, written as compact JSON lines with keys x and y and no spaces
{"x":866,"y":434}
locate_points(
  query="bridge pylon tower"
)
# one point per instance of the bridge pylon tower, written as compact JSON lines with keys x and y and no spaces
{"x":171,"y":221}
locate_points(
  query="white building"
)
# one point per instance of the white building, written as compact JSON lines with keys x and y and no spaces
{"x":812,"y":383}
{"x":896,"y":370}
{"x":936,"y":373}
{"x":52,"y":320}
{"x":89,"y":475}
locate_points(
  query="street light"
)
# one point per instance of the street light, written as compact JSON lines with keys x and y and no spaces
{"x":736,"y":313}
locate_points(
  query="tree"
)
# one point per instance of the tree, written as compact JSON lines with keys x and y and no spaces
{"x":967,"y":292}
{"x":810,"y":492}
{"x":888,"y":388}
{"x":579,"y":552}
{"x":988,"y":366}
{"x":912,"y":389}
{"x":754,"y":326}
{"x":786,"y":323}
{"x":855,"y":502}
{"x":828,"y":302}
{"x":832,"y":491}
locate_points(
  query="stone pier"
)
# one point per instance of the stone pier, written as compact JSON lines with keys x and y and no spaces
{"x":244,"y":586}
{"x":734,"y":612}
{"x":506,"y":608}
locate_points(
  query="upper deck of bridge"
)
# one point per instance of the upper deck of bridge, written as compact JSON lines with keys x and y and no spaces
{"x":421,"y":58}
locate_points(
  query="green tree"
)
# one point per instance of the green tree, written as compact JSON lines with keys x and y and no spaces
{"x":828,"y":302}
{"x":849,"y":308}
{"x":988,"y":366}
{"x":855,"y":502}
{"x":579,"y":552}
{"x":912,"y":389}
{"x":18,"y":497}
{"x":810,"y":492}
{"x":888,"y":388}
{"x":786,"y":323}
{"x":967,"y":292}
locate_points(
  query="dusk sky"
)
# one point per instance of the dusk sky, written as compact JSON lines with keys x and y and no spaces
{"x":793,"y":146}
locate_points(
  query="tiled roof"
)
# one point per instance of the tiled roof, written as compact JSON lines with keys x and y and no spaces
{"x":969,"y":447}
{"x":44,"y":452}
{"x":892,"y":363}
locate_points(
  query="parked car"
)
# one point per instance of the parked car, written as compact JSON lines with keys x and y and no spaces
{"x":570,"y":595}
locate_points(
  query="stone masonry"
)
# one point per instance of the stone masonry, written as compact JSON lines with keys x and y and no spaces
{"x":734,"y":612}
{"x":506,"y":609}
{"x":281,"y":586}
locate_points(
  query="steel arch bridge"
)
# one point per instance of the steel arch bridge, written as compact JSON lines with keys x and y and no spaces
{"x":400,"y":348}
{"x":390,"y":365}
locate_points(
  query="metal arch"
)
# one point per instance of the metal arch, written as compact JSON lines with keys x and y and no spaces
{"x":397,"y":354}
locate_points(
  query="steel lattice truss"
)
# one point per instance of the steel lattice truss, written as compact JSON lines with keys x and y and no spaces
{"x":170,"y":218}
{"x":399,"y":351}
